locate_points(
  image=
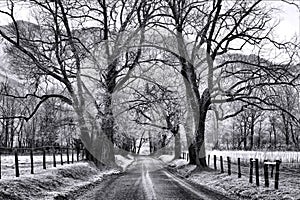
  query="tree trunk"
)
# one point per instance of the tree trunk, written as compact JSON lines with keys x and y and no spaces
{"x":12,"y":133}
{"x":251,"y":132}
{"x":293,"y":135}
{"x":134,"y":145}
{"x":163,"y":140}
{"x":107,"y":126}
{"x":286,"y":130}
{"x":275,"y":136}
{"x":199,"y":156}
{"x":151,"y":145}
{"x":245,"y":136}
{"x":177,"y":145}
{"x":259,"y":136}
{"x":6,"y":133}
{"x":270,"y":137}
{"x":140,"y":143}
{"x":188,"y":127}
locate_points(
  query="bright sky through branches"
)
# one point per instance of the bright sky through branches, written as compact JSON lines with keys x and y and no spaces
{"x":288,"y":27}
{"x":288,"y":17}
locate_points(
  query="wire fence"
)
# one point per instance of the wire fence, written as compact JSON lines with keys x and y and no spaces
{"x":20,"y":161}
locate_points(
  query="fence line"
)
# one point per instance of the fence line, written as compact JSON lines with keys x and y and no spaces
{"x":40,"y":151}
{"x":286,"y":157}
{"x":254,"y":164}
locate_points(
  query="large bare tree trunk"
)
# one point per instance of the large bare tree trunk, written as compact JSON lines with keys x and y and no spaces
{"x":107,"y":127}
{"x":200,"y":136}
{"x":177,"y":147}
{"x":197,"y":152}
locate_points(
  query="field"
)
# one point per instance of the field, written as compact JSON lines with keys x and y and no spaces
{"x":8,"y":164}
{"x":289,"y":173}
{"x":288,"y":157}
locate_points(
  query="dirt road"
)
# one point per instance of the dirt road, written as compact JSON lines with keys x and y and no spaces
{"x":147,"y":178}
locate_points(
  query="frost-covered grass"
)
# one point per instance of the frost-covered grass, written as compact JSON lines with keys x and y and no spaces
{"x":166,"y":158}
{"x":52,"y":182}
{"x":240,"y":188}
{"x":124,"y":161}
{"x":284,"y":156}
{"x":178,"y":163}
{"x":169,"y":159}
{"x":8,"y":163}
{"x":289,"y":177}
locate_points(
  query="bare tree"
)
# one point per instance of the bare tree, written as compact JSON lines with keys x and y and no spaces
{"x":218,"y":27}
{"x":63,"y":48}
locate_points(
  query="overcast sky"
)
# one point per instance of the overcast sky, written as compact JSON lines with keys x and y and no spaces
{"x":289,"y":25}
{"x":290,"y":20}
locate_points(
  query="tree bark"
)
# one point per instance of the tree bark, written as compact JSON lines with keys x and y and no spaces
{"x":151,"y":145}
{"x":141,"y":143}
{"x":197,"y":152}
{"x":177,"y":145}
{"x":107,"y":127}
{"x":286,"y":130}
{"x":252,"y":131}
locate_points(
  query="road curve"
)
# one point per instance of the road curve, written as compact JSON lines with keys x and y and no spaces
{"x":148,"y":179}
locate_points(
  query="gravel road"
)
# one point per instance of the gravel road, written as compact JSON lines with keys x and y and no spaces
{"x":148,"y":178}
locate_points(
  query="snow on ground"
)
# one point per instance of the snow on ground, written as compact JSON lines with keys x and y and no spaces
{"x":179,"y":165}
{"x":8,"y":164}
{"x":166,"y":158}
{"x":240,"y":188}
{"x":169,"y":159}
{"x":52,"y":182}
{"x":284,"y":156}
{"x":124,"y":161}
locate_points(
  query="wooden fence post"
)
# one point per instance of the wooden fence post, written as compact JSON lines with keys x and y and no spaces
{"x":239,"y":168}
{"x":54,"y":158}
{"x":17,"y":163}
{"x":272,"y":170}
{"x":251,"y":171}
{"x":31,"y":162}
{"x":68,"y":159}
{"x":266,"y":175}
{"x":277,"y":174}
{"x":72,"y":155}
{"x":78,"y":151}
{"x":215,"y":162}
{"x":44,"y":158}
{"x":208,"y":160}
{"x":229,"y":165}
{"x":221,"y":164}
{"x":61,"y":157}
{"x":257,"y":172}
